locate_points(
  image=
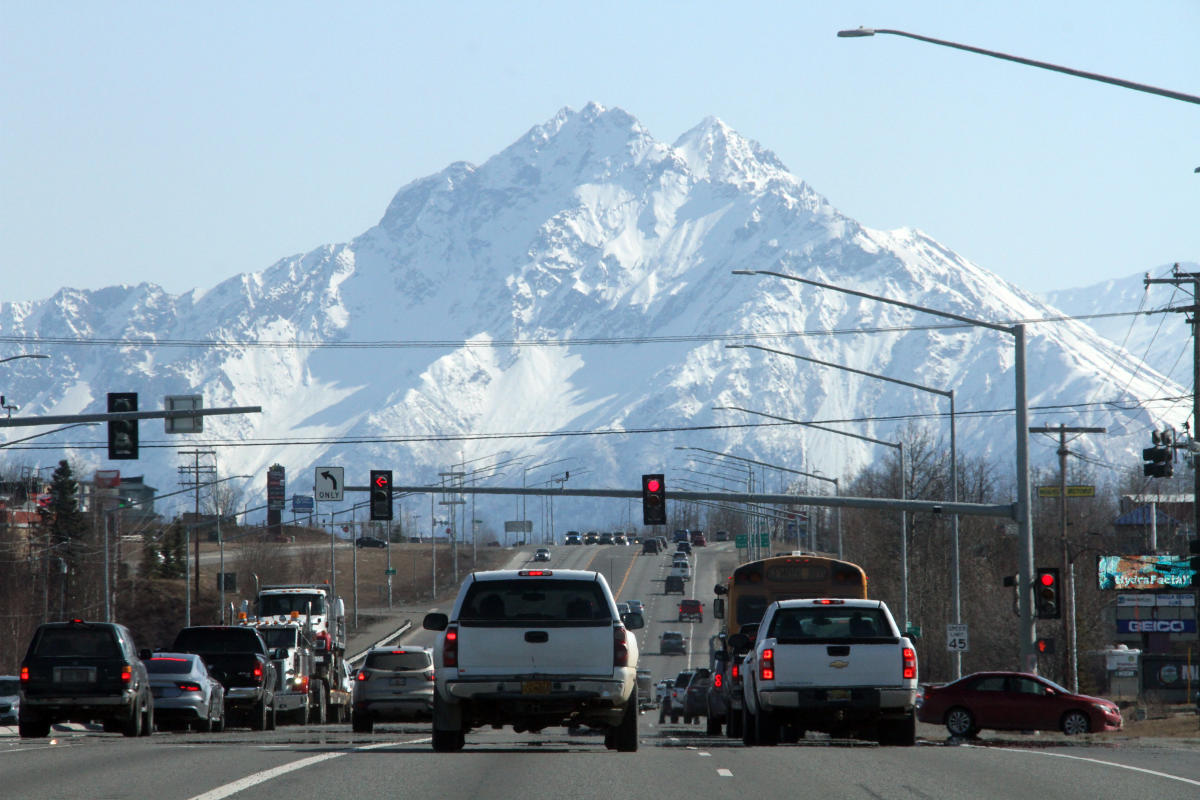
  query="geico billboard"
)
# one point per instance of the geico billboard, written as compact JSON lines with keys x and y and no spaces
{"x":1144,"y":572}
{"x":1156,"y":626}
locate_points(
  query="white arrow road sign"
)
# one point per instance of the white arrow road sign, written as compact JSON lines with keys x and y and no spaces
{"x":329,"y":483}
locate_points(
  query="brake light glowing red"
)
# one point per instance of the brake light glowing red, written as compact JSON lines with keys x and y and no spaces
{"x":126,"y":674}
{"x":536,"y":573}
{"x":429,"y":675}
{"x":825,"y":601}
{"x":188,"y":687}
{"x":766,"y":669}
{"x":718,"y":680}
{"x":909,"y":657}
{"x":24,"y":674}
{"x":362,"y":675}
{"x":736,"y":672}
{"x":450,"y":648}
{"x":258,"y":673}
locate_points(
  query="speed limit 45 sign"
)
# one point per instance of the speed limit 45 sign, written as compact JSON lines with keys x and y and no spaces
{"x":957,"y":640}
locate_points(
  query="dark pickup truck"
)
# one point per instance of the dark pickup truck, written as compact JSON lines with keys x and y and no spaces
{"x":238,"y":657}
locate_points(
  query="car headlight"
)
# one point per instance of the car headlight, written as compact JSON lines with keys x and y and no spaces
{"x":1105,"y":708}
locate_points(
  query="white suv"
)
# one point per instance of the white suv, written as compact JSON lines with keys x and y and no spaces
{"x":535,"y":648}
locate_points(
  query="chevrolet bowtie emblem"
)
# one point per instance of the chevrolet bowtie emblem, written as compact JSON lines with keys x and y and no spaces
{"x":839,"y":664}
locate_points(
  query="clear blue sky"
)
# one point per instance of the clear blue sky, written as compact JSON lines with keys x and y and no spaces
{"x":182,"y":144}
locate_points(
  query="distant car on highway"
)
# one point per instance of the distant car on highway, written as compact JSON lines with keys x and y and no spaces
{"x":10,"y":699}
{"x":691,"y":609}
{"x":672,"y":642}
{"x":1015,"y":701}
{"x":573,"y":537}
{"x":541,"y":554}
{"x":369,"y":541}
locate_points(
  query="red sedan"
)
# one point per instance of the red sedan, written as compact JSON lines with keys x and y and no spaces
{"x":1014,"y":701}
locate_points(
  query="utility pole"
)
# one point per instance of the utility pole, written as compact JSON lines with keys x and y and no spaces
{"x":1068,"y":616}
{"x":1179,"y":278}
{"x":210,"y":472}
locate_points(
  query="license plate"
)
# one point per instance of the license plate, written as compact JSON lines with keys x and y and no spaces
{"x":535,"y":687}
{"x":838,"y":694}
{"x":74,"y":674}
{"x":399,"y":681}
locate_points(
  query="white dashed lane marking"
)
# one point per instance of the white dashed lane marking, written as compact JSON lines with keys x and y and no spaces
{"x":724,"y":773}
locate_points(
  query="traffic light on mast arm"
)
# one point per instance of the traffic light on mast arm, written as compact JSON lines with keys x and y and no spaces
{"x":122,"y":434}
{"x":1046,"y":592}
{"x":381,"y":494}
{"x":1158,"y":461}
{"x":654,"y":500}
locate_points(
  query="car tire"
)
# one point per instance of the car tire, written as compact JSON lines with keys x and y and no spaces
{"x":322,"y":707}
{"x":258,"y":716}
{"x":148,"y":718}
{"x":272,"y":721}
{"x":625,"y":735}
{"x":448,"y":735}
{"x":30,"y":726}
{"x":361,"y":723}
{"x":766,"y":728}
{"x":132,"y":726}
{"x":1075,"y":723}
{"x":749,"y":728}
{"x":898,"y":732}
{"x":960,"y":722}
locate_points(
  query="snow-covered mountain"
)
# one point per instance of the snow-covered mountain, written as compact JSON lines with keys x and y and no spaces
{"x":578,"y":282}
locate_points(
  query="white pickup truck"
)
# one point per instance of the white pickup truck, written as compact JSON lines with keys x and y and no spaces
{"x":535,"y":648}
{"x":835,"y":665}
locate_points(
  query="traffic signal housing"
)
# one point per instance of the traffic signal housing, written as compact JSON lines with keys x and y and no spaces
{"x":1047,"y":593}
{"x":654,"y":500}
{"x":1157,"y":462}
{"x":1045,"y":646}
{"x":122,"y":434}
{"x":381,"y":494}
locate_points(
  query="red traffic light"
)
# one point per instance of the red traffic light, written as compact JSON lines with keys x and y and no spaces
{"x":381,"y":481}
{"x":653,"y":485}
{"x":1046,"y":578}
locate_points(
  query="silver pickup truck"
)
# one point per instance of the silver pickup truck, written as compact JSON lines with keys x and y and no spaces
{"x":828,"y":664}
{"x":535,"y":648}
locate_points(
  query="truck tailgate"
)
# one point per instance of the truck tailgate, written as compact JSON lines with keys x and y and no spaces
{"x":837,"y":665}
{"x":521,"y":650}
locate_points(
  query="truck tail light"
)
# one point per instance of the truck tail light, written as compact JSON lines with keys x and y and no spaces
{"x":718,"y":681}
{"x":736,"y":672}
{"x":909,"y":660}
{"x":24,"y":674}
{"x":620,"y":648}
{"x":257,"y":674}
{"x":362,"y":676}
{"x":429,"y":675}
{"x":450,"y":648}
{"x":766,"y":669}
{"x":126,"y":674}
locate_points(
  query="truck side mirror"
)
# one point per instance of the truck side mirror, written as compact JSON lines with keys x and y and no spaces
{"x":435,"y":621}
{"x":718,"y":607}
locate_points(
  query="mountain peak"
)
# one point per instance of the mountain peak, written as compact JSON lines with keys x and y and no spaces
{"x":715,"y":151}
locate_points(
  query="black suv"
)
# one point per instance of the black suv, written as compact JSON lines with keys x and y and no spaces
{"x":81,"y":671}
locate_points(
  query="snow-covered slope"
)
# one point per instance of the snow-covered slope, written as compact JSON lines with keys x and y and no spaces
{"x":579,"y":281}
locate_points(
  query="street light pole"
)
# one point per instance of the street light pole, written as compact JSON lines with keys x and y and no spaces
{"x":949,"y":394}
{"x":1022,"y":512}
{"x":856,"y":33}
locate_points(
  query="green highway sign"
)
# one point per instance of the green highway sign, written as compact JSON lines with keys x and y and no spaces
{"x":390,"y":571}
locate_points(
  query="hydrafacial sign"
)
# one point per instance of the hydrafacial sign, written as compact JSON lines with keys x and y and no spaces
{"x":1126,"y":573}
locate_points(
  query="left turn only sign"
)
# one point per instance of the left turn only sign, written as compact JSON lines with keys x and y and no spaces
{"x":329,"y":483}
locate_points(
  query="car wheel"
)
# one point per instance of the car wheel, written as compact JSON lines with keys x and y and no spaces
{"x":271,"y":720}
{"x":960,"y":722}
{"x":625,"y":735}
{"x":258,"y":716}
{"x":1075,"y":723}
{"x":133,"y":725}
{"x":148,"y":719}
{"x":448,"y":735}
{"x":322,"y":707}
{"x":767,"y":732}
{"x":749,"y":728}
{"x":32,"y":727}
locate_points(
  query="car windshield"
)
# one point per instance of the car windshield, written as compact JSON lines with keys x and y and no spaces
{"x":9,"y":686}
{"x":281,"y":605}
{"x":81,"y":642}
{"x":169,"y":665}
{"x":523,"y":600}
{"x":398,"y":660}
{"x":279,"y":637}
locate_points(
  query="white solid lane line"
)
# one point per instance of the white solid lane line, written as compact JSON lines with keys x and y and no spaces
{"x":262,"y":777}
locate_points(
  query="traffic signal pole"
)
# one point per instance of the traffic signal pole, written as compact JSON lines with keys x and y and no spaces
{"x":1068,"y":617}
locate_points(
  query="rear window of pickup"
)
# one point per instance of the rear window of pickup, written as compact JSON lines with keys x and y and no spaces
{"x":535,"y":600}
{"x":803,"y":625}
